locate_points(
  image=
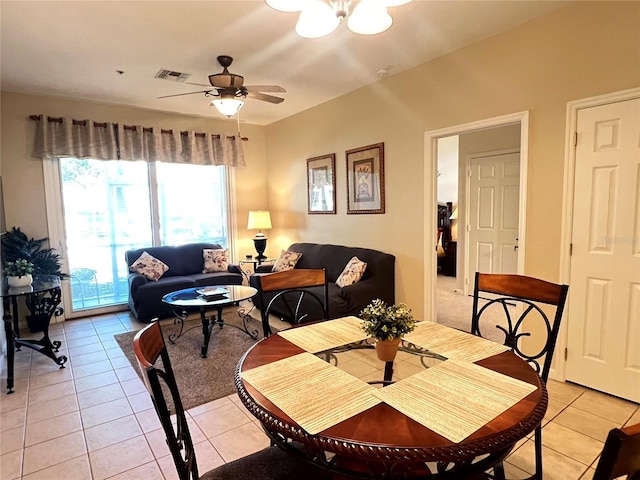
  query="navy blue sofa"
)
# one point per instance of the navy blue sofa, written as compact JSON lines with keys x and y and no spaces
{"x":185,"y":264}
{"x":378,"y":280}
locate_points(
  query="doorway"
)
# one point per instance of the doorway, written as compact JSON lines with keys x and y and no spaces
{"x":473,"y":138}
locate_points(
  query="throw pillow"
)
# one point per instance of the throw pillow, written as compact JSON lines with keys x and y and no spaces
{"x":286,"y":261}
{"x":149,"y":266}
{"x":215,"y":260}
{"x":352,"y":273}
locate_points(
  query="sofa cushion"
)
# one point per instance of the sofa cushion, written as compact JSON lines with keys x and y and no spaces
{"x":149,"y":266}
{"x":181,"y":260}
{"x":286,"y":261}
{"x":333,"y":258}
{"x":216,"y":278}
{"x":352,"y":273}
{"x":215,"y":260}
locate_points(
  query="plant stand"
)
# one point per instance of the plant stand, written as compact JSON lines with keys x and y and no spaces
{"x":42,"y":301}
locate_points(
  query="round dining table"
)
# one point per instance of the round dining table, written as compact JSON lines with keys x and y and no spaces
{"x":383,"y":442}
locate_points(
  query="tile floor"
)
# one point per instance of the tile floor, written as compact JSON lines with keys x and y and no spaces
{"x":93,"y":420}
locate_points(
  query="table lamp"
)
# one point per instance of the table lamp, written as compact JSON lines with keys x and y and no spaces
{"x":259,"y":220}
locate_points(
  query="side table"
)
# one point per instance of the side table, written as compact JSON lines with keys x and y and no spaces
{"x":255,"y":262}
{"x":42,"y":298}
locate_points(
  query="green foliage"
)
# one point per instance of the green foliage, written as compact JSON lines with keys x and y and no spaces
{"x":18,"y":268}
{"x":386,"y":322}
{"x":17,"y":245}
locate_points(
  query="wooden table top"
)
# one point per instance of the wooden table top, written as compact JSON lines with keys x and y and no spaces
{"x":382,"y":432}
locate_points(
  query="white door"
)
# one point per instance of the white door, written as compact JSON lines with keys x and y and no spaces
{"x":493,"y":200}
{"x":603,"y":346}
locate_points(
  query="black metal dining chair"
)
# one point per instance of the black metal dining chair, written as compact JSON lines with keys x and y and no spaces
{"x":520,"y":303}
{"x":271,"y":463}
{"x":298,"y":295}
{"x":620,"y":455}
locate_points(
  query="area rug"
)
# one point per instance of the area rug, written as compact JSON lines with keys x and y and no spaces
{"x":200,"y":380}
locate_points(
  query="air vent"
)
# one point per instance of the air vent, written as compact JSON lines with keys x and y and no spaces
{"x":165,"y":74}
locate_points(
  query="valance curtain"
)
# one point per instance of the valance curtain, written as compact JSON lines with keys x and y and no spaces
{"x":65,"y":137}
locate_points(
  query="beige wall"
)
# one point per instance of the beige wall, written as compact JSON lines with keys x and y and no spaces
{"x":585,"y":49}
{"x":22,"y":175}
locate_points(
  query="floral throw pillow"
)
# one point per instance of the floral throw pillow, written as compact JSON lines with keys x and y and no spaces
{"x":286,"y":261}
{"x":149,"y":266}
{"x":352,"y":273}
{"x":215,"y":260}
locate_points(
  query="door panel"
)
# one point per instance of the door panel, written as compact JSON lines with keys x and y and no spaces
{"x":604,"y":301}
{"x":494,"y":190}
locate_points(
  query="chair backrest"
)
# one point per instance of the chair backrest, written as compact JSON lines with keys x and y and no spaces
{"x":294,"y":294}
{"x":620,"y":455}
{"x":528,"y":293}
{"x":159,"y":379}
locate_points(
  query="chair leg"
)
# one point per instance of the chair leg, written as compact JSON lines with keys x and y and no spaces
{"x":498,"y":472}
{"x":538,"y":445}
{"x":266,"y":329}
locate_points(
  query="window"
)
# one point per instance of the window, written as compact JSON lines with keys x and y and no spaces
{"x":109,"y":207}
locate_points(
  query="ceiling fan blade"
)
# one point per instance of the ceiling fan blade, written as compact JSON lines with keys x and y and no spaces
{"x":265,"y":88}
{"x":181,"y":94}
{"x":198,"y":84}
{"x":265,"y":98}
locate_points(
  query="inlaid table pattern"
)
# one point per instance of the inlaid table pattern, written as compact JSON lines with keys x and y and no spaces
{"x":455,"y":398}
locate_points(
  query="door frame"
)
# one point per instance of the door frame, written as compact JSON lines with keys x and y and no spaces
{"x":558,"y":367}
{"x":431,"y":189}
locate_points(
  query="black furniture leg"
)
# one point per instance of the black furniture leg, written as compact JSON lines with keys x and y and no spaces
{"x":16,"y":325}
{"x":388,"y":372}
{"x":538,"y":444}
{"x":206,"y":332}
{"x":10,"y":347}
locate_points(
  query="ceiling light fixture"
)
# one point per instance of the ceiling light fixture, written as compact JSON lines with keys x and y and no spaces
{"x":228,"y":102}
{"x":319,"y":18}
{"x":227,"y":106}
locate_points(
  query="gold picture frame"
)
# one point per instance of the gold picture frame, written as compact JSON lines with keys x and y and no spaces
{"x":321,"y":184}
{"x":365,"y":179}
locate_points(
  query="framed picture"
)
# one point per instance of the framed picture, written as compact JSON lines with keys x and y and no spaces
{"x":321,"y":184}
{"x":365,"y":179}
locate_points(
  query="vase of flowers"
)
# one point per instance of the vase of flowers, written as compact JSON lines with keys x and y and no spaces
{"x":387,"y":324}
{"x":19,"y":273}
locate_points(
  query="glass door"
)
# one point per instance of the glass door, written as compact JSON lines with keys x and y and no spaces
{"x":106,"y":212}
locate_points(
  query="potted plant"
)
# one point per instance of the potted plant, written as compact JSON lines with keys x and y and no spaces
{"x":17,"y":245}
{"x":19,"y":273}
{"x":387,"y":325}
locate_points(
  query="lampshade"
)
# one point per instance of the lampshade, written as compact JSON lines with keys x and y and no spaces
{"x":286,"y":5}
{"x":394,"y":3}
{"x":258,"y":220}
{"x":227,"y":106}
{"x":369,"y":17}
{"x":454,"y":215}
{"x":316,"y":20}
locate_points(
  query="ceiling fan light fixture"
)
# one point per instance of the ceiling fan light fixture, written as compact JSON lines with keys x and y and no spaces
{"x":227,"y":106}
{"x":369,"y":17}
{"x":286,"y":5}
{"x":395,"y":3}
{"x":316,"y":20}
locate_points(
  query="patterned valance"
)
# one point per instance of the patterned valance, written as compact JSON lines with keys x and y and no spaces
{"x":66,"y":137}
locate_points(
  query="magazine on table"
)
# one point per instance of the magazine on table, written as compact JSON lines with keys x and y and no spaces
{"x":213,"y":293}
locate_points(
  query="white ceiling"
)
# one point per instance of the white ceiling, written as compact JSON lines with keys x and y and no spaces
{"x":74,"y":48}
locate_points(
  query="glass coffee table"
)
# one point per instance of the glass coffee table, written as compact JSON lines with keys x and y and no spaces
{"x":207,"y":299}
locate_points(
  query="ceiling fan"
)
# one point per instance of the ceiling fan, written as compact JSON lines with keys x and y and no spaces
{"x":229,"y":90}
